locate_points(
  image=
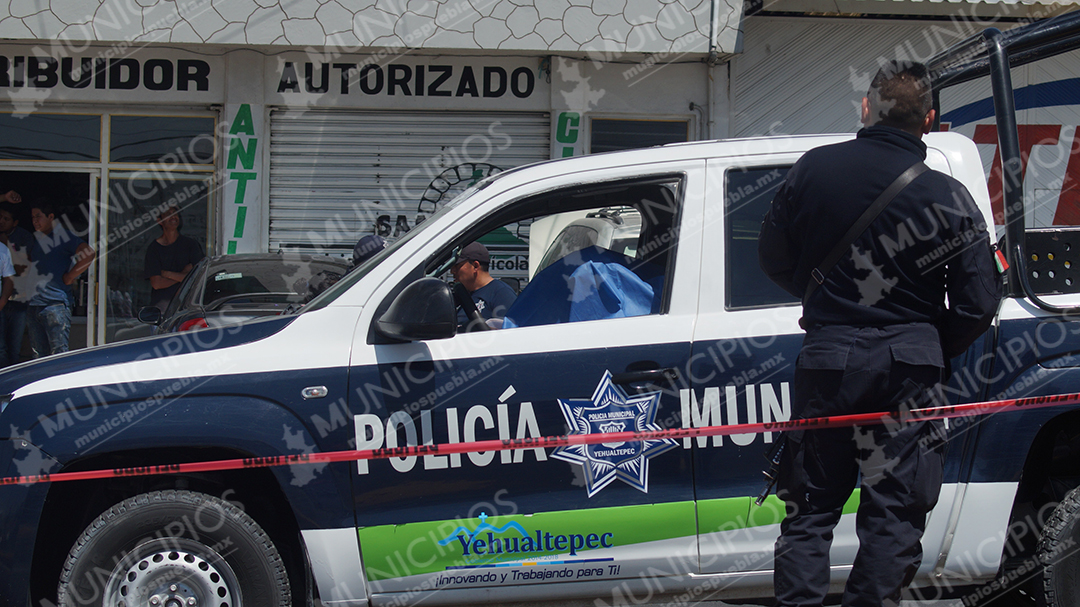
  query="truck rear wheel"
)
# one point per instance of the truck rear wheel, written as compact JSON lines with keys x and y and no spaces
{"x":1059,"y":552}
{"x":174,"y":548}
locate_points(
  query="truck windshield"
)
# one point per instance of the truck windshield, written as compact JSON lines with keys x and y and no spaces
{"x":359,"y":272}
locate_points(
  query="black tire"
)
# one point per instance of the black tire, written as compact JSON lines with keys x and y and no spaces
{"x":174,"y":545}
{"x":1059,"y":553}
{"x":1020,"y":593}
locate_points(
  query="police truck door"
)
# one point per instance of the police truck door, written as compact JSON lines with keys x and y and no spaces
{"x":580,"y":352}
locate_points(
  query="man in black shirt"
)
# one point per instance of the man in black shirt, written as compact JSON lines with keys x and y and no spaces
{"x":878,"y":335}
{"x":169,"y":258}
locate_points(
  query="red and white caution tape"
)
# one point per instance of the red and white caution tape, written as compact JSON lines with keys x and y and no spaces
{"x":836,"y":421}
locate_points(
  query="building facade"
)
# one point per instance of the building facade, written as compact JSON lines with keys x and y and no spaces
{"x":301,"y":125}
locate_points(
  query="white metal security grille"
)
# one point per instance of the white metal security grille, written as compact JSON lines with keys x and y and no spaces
{"x":799,"y":76}
{"x":338,"y":174}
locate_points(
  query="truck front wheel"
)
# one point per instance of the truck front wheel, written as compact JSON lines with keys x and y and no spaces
{"x":174,"y":548}
{"x":1059,"y":553}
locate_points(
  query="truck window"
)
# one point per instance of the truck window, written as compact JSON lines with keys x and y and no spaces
{"x":615,"y":229}
{"x":747,"y":196}
{"x":588,"y":253}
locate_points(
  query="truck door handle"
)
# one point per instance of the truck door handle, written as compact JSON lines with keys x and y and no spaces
{"x":670,"y":375}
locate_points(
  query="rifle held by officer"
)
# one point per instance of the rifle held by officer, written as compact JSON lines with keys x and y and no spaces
{"x":773,"y":456}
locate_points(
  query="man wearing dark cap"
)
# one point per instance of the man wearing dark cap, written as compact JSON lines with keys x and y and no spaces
{"x":366,"y":248}
{"x":492,"y":297}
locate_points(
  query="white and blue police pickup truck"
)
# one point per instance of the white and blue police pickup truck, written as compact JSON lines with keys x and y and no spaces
{"x":378,"y":362}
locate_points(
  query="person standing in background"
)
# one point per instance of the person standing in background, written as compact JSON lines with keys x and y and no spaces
{"x":13,"y":316}
{"x":492,"y":297}
{"x":169,"y":258}
{"x":367,"y":247}
{"x":59,"y":258}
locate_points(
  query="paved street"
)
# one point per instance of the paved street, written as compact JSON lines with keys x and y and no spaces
{"x":669,"y":603}
{"x":954,"y":603}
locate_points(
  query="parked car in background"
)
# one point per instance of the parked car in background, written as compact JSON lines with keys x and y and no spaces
{"x":230,"y":289}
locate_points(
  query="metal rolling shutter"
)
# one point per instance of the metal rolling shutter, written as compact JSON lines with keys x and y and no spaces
{"x":334,"y":173}
{"x":798,"y":75}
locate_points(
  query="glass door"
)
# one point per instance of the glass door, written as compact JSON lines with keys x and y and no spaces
{"x":74,"y":194}
{"x":134,"y":202}
{"x":147,"y":160}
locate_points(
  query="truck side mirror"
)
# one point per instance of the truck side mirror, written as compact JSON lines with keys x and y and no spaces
{"x":423,"y":310}
{"x":150,"y":315}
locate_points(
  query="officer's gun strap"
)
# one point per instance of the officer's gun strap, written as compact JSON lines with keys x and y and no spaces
{"x":817,"y":275}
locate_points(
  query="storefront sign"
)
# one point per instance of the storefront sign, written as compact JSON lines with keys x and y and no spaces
{"x":567,"y":135}
{"x":403,"y":81}
{"x":242,"y":202}
{"x":121,"y":72}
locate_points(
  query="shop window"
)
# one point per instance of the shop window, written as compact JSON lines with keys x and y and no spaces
{"x":610,"y":135}
{"x":167,"y":139}
{"x":50,"y":137}
{"x":134,"y":204}
{"x":747,"y":197}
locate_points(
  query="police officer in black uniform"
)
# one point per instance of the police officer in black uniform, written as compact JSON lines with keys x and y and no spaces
{"x":878,"y":336}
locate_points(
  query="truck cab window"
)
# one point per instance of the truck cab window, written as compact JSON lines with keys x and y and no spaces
{"x":747,"y":196}
{"x":587,"y":253}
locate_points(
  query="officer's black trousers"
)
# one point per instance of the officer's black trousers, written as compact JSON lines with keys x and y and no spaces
{"x":901,"y":469}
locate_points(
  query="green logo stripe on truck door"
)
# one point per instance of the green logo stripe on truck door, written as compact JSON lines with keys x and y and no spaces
{"x":392,"y":551}
{"x":396,"y":551}
{"x":734,"y":513}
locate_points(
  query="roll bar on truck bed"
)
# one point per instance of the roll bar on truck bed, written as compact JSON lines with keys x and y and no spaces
{"x":992,"y":53}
